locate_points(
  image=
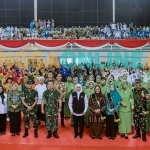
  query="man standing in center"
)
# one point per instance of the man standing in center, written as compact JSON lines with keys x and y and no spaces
{"x":78,"y":104}
{"x":60,"y":86}
{"x":51,"y":99}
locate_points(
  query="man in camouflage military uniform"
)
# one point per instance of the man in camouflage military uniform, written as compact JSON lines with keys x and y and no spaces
{"x":51,"y":97}
{"x":140,"y":110}
{"x":60,"y":86}
{"x":29,"y":100}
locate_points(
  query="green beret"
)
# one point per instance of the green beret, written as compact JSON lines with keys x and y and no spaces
{"x":90,"y":69}
{"x":137,"y":81}
{"x":29,"y":82}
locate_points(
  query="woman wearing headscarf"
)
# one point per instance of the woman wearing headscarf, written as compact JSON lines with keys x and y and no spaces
{"x":97,"y":104}
{"x":89,"y":92}
{"x":78,"y":104}
{"x":112,"y":103}
{"x":125,"y":109}
{"x":3,"y":110}
{"x":14,"y":108}
{"x":148,"y":108}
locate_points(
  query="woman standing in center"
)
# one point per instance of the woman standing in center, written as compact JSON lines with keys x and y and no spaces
{"x":97,"y":104}
{"x":112,"y":103}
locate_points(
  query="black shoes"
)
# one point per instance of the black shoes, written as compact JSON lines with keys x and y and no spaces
{"x":13,"y":134}
{"x":55,"y":134}
{"x":26,"y":133}
{"x":49,"y":135}
{"x":80,"y":136}
{"x":76,"y":136}
{"x":122,"y":135}
{"x":144,"y":137}
{"x":137,"y":135}
{"x":113,"y":138}
{"x":35,"y":133}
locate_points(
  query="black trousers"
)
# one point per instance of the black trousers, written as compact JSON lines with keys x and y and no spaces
{"x":2,"y":123}
{"x":62,"y":113}
{"x":111,"y":126}
{"x":78,"y":120}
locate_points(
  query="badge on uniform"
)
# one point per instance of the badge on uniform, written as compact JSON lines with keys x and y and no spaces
{"x":81,"y":96}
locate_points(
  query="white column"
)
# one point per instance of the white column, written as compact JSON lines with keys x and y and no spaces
{"x":114,"y":10}
{"x":35,"y":9}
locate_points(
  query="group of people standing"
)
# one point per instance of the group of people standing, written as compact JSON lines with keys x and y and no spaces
{"x":96,"y":103}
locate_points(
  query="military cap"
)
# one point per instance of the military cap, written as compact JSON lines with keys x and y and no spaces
{"x":29,"y":82}
{"x":137,"y":81}
{"x":90,"y":69}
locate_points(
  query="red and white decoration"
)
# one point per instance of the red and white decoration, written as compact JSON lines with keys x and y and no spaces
{"x":84,"y":44}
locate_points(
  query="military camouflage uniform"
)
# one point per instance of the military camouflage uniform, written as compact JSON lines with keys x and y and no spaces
{"x":51,"y":98}
{"x":30,"y":97}
{"x":140,"y":118}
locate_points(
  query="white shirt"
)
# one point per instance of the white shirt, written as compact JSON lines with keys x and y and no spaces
{"x":3,"y":107}
{"x":40,"y":88}
{"x":113,"y":26}
{"x":71,"y":101}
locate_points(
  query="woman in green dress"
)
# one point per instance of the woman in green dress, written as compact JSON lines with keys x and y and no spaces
{"x":125,"y":109}
{"x":89,"y":92}
{"x":148,"y":108}
{"x":14,"y":107}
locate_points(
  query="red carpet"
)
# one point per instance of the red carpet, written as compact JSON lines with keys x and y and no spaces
{"x":67,"y":141}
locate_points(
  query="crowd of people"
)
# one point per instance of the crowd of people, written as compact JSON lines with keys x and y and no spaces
{"x":91,"y":96}
{"x":48,"y":30}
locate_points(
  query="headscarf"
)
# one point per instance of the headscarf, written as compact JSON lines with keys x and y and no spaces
{"x":78,"y":85}
{"x":115,"y":95}
{"x":100,"y":93}
{"x":41,"y":78}
{"x":92,"y":83}
{"x":122,"y":84}
{"x":78,"y":93}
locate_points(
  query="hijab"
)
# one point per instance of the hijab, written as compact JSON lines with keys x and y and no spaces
{"x":115,"y":95}
{"x":78,"y":93}
{"x":98,"y":94}
{"x":123,"y":83}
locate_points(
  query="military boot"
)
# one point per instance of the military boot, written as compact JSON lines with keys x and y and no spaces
{"x":144,"y":137}
{"x":49,"y":135}
{"x":137,"y":134}
{"x":26,"y":133}
{"x":35,"y":133}
{"x":55,"y":134}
